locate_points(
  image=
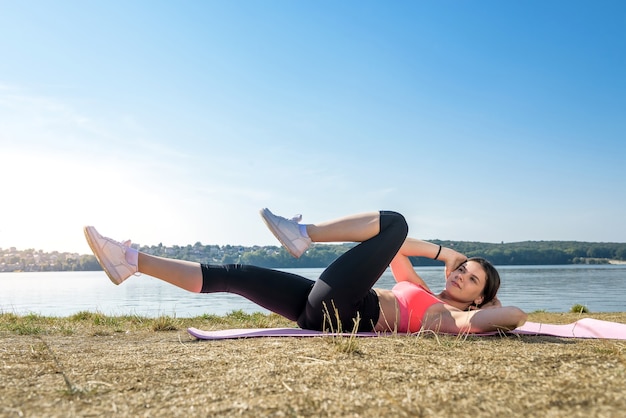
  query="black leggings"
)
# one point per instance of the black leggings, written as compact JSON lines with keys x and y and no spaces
{"x":345,"y":287}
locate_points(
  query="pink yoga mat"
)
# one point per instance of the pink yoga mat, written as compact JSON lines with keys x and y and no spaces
{"x":583,"y":328}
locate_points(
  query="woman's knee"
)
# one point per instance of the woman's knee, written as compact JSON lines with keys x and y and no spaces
{"x":393,"y":220}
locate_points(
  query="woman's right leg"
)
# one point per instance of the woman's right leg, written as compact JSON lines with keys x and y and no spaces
{"x":346,"y":285}
{"x":296,"y":238}
{"x":354,"y":228}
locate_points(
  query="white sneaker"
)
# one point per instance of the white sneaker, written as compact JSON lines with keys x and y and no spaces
{"x":111,"y":255}
{"x":287,"y":231}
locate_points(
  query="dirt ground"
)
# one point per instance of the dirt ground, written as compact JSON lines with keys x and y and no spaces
{"x":87,"y":367}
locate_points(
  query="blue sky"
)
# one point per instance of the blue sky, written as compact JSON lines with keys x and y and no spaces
{"x":175,"y":122}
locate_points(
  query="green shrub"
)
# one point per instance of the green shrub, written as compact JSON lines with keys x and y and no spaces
{"x":578,"y":308}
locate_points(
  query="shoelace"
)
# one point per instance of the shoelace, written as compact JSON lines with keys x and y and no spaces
{"x":297,"y":218}
{"x":127,"y":245}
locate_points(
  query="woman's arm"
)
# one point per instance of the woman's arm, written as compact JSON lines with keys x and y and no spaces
{"x":445,"y":318}
{"x":403,"y":270}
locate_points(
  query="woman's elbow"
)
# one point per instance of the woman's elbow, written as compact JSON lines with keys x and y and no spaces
{"x":518,"y":317}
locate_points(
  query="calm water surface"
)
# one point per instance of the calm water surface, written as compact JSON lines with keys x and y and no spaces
{"x":550,"y":288}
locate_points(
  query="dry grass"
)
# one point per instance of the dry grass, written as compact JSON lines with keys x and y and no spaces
{"x":93,"y":365}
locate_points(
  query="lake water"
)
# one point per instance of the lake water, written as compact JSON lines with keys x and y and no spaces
{"x":550,"y":288}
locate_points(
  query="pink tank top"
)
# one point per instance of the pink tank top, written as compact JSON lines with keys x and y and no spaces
{"x":413,"y":301}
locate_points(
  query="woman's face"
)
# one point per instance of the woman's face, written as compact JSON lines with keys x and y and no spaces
{"x":466,"y":284}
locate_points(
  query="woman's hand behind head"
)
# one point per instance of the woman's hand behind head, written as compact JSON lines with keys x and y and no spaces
{"x":453,"y":259}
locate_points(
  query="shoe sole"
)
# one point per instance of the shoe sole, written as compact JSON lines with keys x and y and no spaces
{"x":279,"y":235}
{"x":89,"y":230}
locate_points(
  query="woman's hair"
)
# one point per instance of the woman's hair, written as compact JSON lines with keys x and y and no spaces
{"x":492,"y":283}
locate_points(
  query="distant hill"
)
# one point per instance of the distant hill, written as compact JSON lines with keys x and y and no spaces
{"x":321,"y":255}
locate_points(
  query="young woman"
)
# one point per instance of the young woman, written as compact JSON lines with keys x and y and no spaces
{"x":342,"y":297}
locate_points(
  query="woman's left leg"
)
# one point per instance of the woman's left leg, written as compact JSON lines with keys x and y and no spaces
{"x":280,"y":292}
{"x":344,"y":289}
{"x":184,"y":274}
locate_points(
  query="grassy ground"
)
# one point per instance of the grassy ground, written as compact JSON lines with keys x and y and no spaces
{"x":93,"y":365}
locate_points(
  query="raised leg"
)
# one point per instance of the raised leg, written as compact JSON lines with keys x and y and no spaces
{"x":354,"y":228}
{"x":184,"y":274}
{"x":296,"y":238}
{"x":120,"y":261}
{"x":347,"y":283}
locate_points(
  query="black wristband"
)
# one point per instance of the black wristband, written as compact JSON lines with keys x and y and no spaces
{"x":438,"y":252}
